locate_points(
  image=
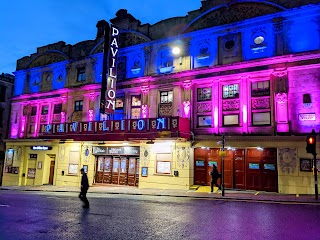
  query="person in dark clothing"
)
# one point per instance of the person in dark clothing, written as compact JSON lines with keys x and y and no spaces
{"x":84,"y":189}
{"x":215,"y":175}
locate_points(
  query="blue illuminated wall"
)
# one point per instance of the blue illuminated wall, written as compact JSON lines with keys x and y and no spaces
{"x":19,"y":82}
{"x":302,"y":35}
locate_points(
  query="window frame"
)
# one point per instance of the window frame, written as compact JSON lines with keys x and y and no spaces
{"x":230,"y":125}
{"x":45,"y":110}
{"x":157,"y":161}
{"x":81,"y":74}
{"x":166,"y":94}
{"x":235,"y":92}
{"x":202,"y":99}
{"x":259,"y":92}
{"x":55,"y":111}
{"x":33,"y":111}
{"x":78,"y":105}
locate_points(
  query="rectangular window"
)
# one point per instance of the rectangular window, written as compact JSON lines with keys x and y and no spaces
{"x":204,"y":121}
{"x":33,"y":111}
{"x":135,"y":113}
{"x":81,"y":74}
{"x":1,"y":116}
{"x":135,"y":106}
{"x":163,"y":163}
{"x":231,"y":91}
{"x":44,"y":110}
{"x":57,"y":108}
{"x":260,"y":89}
{"x":204,"y":94}
{"x":119,"y":103}
{"x":78,"y":105}
{"x":229,"y":120}
{"x":166,"y":97}
{"x":3,"y":94}
{"x":261,"y":118}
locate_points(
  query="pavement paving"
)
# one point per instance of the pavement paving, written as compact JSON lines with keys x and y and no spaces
{"x":194,"y":192}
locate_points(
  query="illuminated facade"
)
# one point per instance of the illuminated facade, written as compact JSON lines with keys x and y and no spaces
{"x":248,"y":70}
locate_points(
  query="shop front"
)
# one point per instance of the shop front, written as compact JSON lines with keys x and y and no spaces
{"x":117,"y":165}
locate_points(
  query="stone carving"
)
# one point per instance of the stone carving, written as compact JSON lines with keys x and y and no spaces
{"x":236,"y":12}
{"x":46,"y":59}
{"x":288,"y":159}
{"x":19,"y":154}
{"x":183,"y":156}
{"x":230,"y":105}
{"x":86,"y":152}
{"x":62,"y":152}
{"x":44,"y":119}
{"x":144,"y":156}
{"x":165,"y":110}
{"x":260,"y":103}
{"x":130,"y":38}
{"x":281,"y":98}
{"x":56,"y":118}
{"x":204,"y":107}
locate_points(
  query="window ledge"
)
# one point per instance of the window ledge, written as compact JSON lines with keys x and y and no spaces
{"x":166,"y":69}
{"x":163,"y":174}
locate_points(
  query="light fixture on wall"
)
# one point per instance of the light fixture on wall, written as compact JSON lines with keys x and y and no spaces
{"x":101,"y":143}
{"x":150,"y":142}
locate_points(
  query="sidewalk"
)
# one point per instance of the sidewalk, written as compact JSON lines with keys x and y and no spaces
{"x":195,"y":192}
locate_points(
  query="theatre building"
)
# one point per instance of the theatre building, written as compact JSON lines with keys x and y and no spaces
{"x":233,"y":83}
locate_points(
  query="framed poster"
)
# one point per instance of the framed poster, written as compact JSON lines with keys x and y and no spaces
{"x":305,"y":165}
{"x":31,"y":173}
{"x":73,"y":169}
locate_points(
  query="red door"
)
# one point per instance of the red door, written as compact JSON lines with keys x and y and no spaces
{"x":239,"y":169}
{"x":213,"y":158}
{"x":200,"y":169}
{"x":228,"y":169}
{"x":269,"y":168}
{"x":253,"y":169}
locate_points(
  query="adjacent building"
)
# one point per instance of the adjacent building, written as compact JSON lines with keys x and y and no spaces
{"x":6,"y":91}
{"x":234,"y":83}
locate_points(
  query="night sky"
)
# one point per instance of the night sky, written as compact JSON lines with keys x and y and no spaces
{"x":28,"y":24}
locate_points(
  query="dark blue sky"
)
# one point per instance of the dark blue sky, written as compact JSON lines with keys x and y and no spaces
{"x":28,"y":24}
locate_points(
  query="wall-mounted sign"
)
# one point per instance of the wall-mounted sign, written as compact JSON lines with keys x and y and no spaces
{"x":114,"y":150}
{"x":40,"y":148}
{"x":33,"y":156}
{"x":144,"y":172}
{"x":307,"y":117}
{"x":99,"y":150}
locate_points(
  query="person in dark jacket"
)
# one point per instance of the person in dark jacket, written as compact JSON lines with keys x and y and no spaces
{"x":84,"y":189}
{"x":215,"y":175}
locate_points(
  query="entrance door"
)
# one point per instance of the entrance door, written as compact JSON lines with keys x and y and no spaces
{"x":253,"y":157}
{"x":132,"y":171}
{"x":1,"y":170}
{"x":200,"y":169}
{"x":123,"y":174}
{"x":51,"y":172}
{"x":239,"y":169}
{"x":213,"y":158}
{"x":107,"y":170}
{"x":115,"y":170}
{"x":269,"y":168}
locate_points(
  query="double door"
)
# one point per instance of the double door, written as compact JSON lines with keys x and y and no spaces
{"x":120,"y":170}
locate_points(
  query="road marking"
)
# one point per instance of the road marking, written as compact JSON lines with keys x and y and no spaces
{"x":1,"y":205}
{"x":54,"y":197}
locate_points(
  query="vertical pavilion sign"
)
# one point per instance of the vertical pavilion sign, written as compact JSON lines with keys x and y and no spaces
{"x":108,"y":88}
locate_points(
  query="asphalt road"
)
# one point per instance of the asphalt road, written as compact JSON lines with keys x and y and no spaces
{"x":41,"y":215}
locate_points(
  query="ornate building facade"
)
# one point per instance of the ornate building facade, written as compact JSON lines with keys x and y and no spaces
{"x":243,"y":71}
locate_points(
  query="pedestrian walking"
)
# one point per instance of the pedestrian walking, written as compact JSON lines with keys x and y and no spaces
{"x":84,"y":189}
{"x":215,"y":175}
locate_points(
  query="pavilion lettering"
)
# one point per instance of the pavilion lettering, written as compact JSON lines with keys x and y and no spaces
{"x":112,"y":66}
